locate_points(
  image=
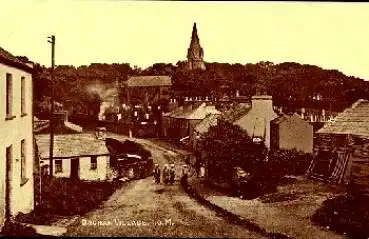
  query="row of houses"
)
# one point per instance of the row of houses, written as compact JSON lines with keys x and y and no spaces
{"x":340,"y":146}
{"x":259,"y":119}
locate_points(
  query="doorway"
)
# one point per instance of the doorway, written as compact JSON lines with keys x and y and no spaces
{"x":74,"y":168}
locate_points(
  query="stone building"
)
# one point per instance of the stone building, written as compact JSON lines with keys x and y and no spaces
{"x":195,"y":54}
{"x":291,"y":132}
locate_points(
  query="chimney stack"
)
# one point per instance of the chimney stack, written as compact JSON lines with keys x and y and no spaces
{"x":262,"y":103}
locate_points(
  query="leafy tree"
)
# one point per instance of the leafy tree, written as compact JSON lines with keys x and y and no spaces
{"x":226,"y":146}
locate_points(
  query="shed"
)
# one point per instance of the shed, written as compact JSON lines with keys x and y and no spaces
{"x":341,"y":152}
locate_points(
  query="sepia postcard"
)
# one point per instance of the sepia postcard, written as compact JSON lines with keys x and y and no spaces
{"x":184,"y":119}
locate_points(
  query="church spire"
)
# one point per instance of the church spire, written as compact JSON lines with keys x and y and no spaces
{"x":195,"y":37}
{"x":195,"y":52}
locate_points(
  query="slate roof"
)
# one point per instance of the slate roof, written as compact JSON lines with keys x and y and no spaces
{"x":197,"y":111}
{"x":236,"y":112}
{"x":352,"y":121}
{"x":9,"y":59}
{"x":42,"y":126}
{"x":145,"y":81}
{"x":284,"y":117}
{"x":182,"y":111}
{"x":207,"y":122}
{"x":71,"y":145}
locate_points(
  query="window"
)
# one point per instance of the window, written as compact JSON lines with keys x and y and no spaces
{"x":9,"y":96}
{"x":93,"y":162}
{"x":23,"y":96}
{"x":23,"y":162}
{"x":58,"y":166}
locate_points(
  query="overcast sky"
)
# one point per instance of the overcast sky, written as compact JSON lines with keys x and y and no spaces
{"x":331,"y":35}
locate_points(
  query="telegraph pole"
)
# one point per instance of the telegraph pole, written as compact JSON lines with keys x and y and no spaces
{"x":52,"y":41}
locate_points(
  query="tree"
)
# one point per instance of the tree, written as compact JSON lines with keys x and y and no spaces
{"x":226,"y":146}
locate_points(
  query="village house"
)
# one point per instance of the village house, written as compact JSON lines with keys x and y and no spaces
{"x":16,"y":141}
{"x":341,"y":148}
{"x":79,"y":156}
{"x":203,"y":127}
{"x":256,"y":122}
{"x":180,"y":123}
{"x":146,"y":89}
{"x":291,"y":132}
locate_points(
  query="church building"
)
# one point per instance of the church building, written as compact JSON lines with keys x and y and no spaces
{"x":195,"y":54}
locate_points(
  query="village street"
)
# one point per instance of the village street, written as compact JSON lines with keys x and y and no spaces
{"x":142,"y":208}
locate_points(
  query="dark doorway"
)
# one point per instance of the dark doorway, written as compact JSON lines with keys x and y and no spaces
{"x":9,"y":157}
{"x":74,"y":168}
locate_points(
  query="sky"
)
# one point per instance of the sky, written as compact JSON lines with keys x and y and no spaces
{"x":330,"y":35}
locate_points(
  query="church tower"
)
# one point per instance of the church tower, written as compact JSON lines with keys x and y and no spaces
{"x":195,"y":54}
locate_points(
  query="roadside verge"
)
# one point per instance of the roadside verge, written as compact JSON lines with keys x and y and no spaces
{"x":231,"y":217}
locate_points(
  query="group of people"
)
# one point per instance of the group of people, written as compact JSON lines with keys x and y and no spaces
{"x":168,"y":174}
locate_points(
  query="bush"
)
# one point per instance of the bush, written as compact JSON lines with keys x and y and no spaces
{"x":345,"y":215}
{"x":17,"y":229}
{"x":287,"y":162}
{"x":64,"y":196}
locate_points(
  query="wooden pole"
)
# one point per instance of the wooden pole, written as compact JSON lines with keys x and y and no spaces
{"x":51,"y":166}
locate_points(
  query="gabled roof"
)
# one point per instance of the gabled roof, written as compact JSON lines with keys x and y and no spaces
{"x":71,"y":145}
{"x":352,"y":121}
{"x":207,"y":122}
{"x":202,"y":111}
{"x":197,"y":111}
{"x":8,"y":59}
{"x":285,"y":117}
{"x":145,"y":81}
{"x":183,"y":111}
{"x":236,"y":112}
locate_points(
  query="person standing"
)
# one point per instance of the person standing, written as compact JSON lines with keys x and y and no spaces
{"x":157,"y":174}
{"x":165,"y":174}
{"x":172,"y":173}
{"x":185,"y":172}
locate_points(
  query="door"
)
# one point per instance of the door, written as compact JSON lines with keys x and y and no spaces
{"x":74,"y":168}
{"x":9,"y":156}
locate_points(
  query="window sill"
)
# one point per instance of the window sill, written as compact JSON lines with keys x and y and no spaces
{"x":24,"y":114}
{"x":24,"y":181}
{"x":9,"y":117}
{"x":93,"y":168}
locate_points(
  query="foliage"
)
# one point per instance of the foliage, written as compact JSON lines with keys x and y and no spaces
{"x":291,"y":84}
{"x":287,"y":162}
{"x":64,"y":196}
{"x":227,"y":146}
{"x":345,"y":215}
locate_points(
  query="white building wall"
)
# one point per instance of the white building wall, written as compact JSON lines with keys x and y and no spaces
{"x":12,"y":132}
{"x":100,"y":173}
{"x":262,"y":110}
{"x":85,"y":171}
{"x":65,"y":166}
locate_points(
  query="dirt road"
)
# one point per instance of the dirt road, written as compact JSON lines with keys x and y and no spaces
{"x":142,"y":208}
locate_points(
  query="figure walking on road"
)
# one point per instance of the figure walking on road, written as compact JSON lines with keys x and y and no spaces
{"x":172,"y":173}
{"x":166,"y":174}
{"x":157,"y":174}
{"x":185,"y":172}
